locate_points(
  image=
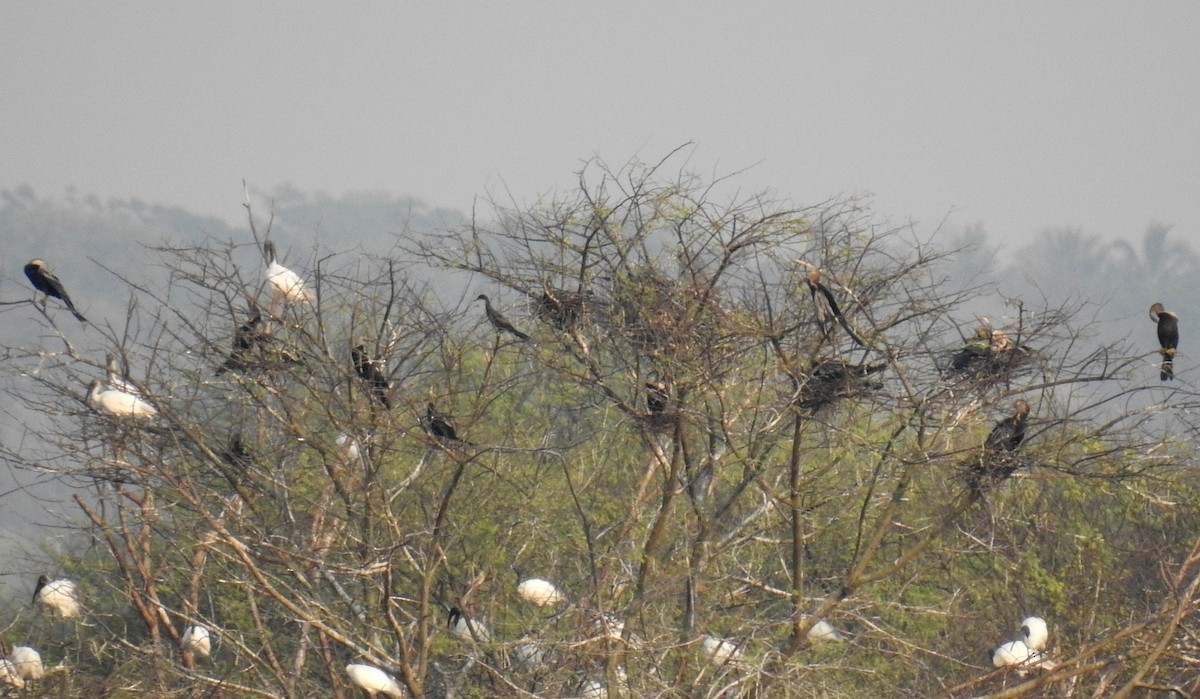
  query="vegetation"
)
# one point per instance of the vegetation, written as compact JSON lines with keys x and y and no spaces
{"x":735,"y":421}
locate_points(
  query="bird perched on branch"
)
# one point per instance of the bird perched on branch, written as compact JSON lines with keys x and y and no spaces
{"x":116,"y":378}
{"x":245,"y":336}
{"x":1168,"y":339}
{"x":58,"y":596}
{"x":540,"y":592}
{"x":44,"y":281}
{"x":499,"y":322}
{"x":197,"y":640}
{"x":826,"y":307}
{"x":372,"y":370}
{"x":28,"y":663}
{"x":438,"y":424}
{"x":373,"y":681}
{"x":288,"y":285}
{"x":465,"y":628}
{"x":119,"y":403}
{"x":1008,"y":434}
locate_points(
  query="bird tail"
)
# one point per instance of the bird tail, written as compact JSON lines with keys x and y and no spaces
{"x":1167,"y":373}
{"x":78,"y":315}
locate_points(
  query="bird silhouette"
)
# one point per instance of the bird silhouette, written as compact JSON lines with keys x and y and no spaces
{"x":44,"y":281}
{"x":372,"y":370}
{"x":1168,"y":339}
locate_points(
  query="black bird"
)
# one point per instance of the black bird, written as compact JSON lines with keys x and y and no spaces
{"x":658,"y":399}
{"x":244,"y":339}
{"x":44,"y":281}
{"x":1168,"y":339}
{"x":827,"y":308}
{"x":374,"y":372}
{"x":438,"y":424}
{"x":1008,"y":434}
{"x":498,"y":321}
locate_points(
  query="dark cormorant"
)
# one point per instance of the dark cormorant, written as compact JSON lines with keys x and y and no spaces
{"x":827,"y":308}
{"x":1008,"y":434}
{"x":1168,"y":339}
{"x":374,"y":372}
{"x":45,"y":281}
{"x":438,"y":424}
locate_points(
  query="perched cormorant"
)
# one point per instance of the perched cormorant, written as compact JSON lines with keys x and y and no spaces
{"x":498,"y":321}
{"x":658,"y":398}
{"x":45,"y":281}
{"x":1008,"y":434}
{"x":244,"y":339}
{"x":438,"y":424}
{"x":826,"y":307}
{"x":373,"y":371}
{"x":1168,"y":339}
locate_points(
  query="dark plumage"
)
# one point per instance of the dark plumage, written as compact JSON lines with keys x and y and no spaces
{"x":372,"y":370}
{"x":438,"y":424}
{"x":833,"y":379}
{"x":44,"y":281}
{"x":244,"y":339}
{"x":498,"y":321}
{"x":41,"y":582}
{"x":1168,"y":340}
{"x":1008,"y":434}
{"x":560,"y":308}
{"x":827,"y":309}
{"x":658,"y":398}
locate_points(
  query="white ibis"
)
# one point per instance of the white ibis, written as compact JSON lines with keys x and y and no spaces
{"x":44,"y":281}
{"x":1034,"y":633}
{"x":721,"y":652}
{"x":9,"y":674}
{"x":1012,"y":654}
{"x":823,"y":631}
{"x":465,"y":629}
{"x":540,"y":592}
{"x":28,"y":663}
{"x":347,"y":448}
{"x":119,"y":403}
{"x":57,"y":596}
{"x":116,"y":378}
{"x":288,"y":285}
{"x":373,"y":681}
{"x":197,"y":640}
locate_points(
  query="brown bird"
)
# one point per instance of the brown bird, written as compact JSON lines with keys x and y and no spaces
{"x":1008,"y":434}
{"x":373,"y":371}
{"x":45,"y":281}
{"x":498,"y":321}
{"x":1168,"y":339}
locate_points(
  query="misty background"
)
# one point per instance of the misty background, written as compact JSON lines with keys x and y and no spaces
{"x":1055,"y":145}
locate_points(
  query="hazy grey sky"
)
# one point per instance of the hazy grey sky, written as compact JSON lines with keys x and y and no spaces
{"x":1019,"y":115}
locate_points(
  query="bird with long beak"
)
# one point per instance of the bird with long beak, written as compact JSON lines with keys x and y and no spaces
{"x":499,"y":322}
{"x":1168,"y":339}
{"x":44,"y":281}
{"x":826,"y":306}
{"x":119,"y":403}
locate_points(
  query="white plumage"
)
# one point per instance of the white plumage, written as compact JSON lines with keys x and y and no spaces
{"x":116,"y":380}
{"x":465,"y":629}
{"x":197,"y":640}
{"x":28,"y":663}
{"x":9,"y":675}
{"x":540,"y":592}
{"x":58,"y":596}
{"x":529,"y":653}
{"x":119,"y":403}
{"x":1034,"y":633}
{"x":288,"y":285}
{"x":347,"y":448}
{"x":721,"y":652}
{"x":824,"y":631}
{"x":593,"y":689}
{"x":373,"y":680}
{"x":1010,"y":654}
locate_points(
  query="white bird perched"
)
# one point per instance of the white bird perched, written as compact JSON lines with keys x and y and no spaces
{"x":824,"y":631}
{"x":28,"y":663}
{"x":116,"y":379}
{"x":1010,"y":654}
{"x":373,"y":681}
{"x":1034,"y":633}
{"x":119,"y":403}
{"x":465,"y":629}
{"x":347,"y":448}
{"x":721,"y":652}
{"x":197,"y":640}
{"x":593,"y":689}
{"x":58,"y":596}
{"x":540,"y":592}
{"x":9,"y":674}
{"x":288,"y":285}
